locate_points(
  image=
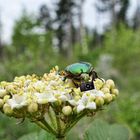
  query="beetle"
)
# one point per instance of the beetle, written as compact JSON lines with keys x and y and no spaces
{"x":81,"y":73}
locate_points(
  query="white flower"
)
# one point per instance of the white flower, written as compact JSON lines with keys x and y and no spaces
{"x":43,"y":98}
{"x":60,"y":95}
{"x":18,"y":101}
{"x":85,"y":103}
{"x":96,"y":93}
{"x":73,"y":102}
{"x":27,"y":82}
{"x":39,"y":85}
{"x":99,"y":93}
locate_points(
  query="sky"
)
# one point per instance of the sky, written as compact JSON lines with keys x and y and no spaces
{"x":10,"y":10}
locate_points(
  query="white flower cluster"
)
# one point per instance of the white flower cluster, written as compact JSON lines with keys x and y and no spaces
{"x":32,"y":96}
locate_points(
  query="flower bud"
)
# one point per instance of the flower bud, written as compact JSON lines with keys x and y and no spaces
{"x":113,"y":97}
{"x":98,"y":83}
{"x":4,"y":83}
{"x":1,"y":103}
{"x":107,"y":86}
{"x":77,"y":97}
{"x":97,"y":86}
{"x":115,"y":92}
{"x":105,"y":90}
{"x":92,"y":98}
{"x":2,"y":93}
{"x":6,"y":97}
{"x":67,"y":110}
{"x":33,"y":107}
{"x":56,"y":68}
{"x":108,"y":98}
{"x":111,"y":83}
{"x":7,"y":109}
{"x":99,"y":101}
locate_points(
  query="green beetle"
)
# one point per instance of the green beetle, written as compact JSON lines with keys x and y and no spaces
{"x":80,"y":72}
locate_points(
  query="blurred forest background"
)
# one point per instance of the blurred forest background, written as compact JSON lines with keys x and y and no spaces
{"x":43,"y":41}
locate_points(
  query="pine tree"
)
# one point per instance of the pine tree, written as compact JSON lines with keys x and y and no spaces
{"x":64,"y":22}
{"x":45,"y":18}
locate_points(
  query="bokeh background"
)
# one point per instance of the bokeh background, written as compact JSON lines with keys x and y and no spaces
{"x":37,"y":35}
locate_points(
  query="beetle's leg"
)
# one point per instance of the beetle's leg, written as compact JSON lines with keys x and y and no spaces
{"x":94,"y":75}
{"x":64,"y":79}
{"x":76,"y":85}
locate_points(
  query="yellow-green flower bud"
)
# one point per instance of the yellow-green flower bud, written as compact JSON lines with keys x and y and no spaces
{"x":92,"y":98}
{"x":77,"y":97}
{"x":6,"y":97}
{"x":4,"y":83}
{"x":99,"y":101}
{"x":105,"y":90}
{"x":2,"y":93}
{"x":1,"y":103}
{"x":56,"y":68}
{"x":33,"y":107}
{"x":111,"y":83}
{"x":115,"y":92}
{"x":98,"y":84}
{"x":67,"y":110}
{"x":108,"y":98}
{"x":113,"y":97}
{"x":107,"y":86}
{"x":7,"y":109}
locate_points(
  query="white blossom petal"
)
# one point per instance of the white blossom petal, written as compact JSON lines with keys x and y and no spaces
{"x":17,"y":101}
{"x":72,"y":102}
{"x":91,"y":105}
{"x":43,"y":98}
{"x":80,"y":108}
{"x":63,"y":98}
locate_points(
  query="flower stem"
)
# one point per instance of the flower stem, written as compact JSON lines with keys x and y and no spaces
{"x":57,"y":121}
{"x":49,"y":127}
{"x":52,"y":117}
{"x":42,"y":126}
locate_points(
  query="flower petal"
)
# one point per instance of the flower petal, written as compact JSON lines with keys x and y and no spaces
{"x":80,"y":108}
{"x":91,"y":105}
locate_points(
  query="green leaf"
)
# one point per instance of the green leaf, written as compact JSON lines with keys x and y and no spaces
{"x":42,"y":135}
{"x":100,"y":130}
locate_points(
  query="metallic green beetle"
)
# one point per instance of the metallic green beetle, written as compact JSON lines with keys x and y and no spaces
{"x":80,"y":73}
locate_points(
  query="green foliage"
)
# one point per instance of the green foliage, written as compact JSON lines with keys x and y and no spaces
{"x":11,"y":130}
{"x":123,"y":45}
{"x":42,"y":135}
{"x":100,"y":130}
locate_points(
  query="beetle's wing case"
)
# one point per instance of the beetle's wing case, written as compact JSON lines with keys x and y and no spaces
{"x":89,"y":66}
{"x":78,"y":68}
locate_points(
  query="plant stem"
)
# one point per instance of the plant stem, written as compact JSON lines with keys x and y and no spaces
{"x":49,"y":127}
{"x":57,"y":121}
{"x":52,"y":117}
{"x":42,"y":126}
